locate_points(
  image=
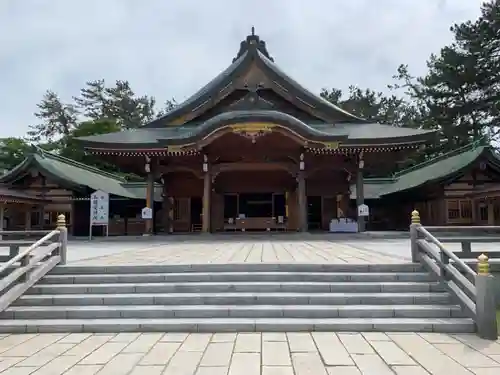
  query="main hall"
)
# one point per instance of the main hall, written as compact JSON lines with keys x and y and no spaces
{"x":255,"y":150}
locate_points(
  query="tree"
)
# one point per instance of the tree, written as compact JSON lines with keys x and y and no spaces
{"x":119,"y":102}
{"x":72,"y":148}
{"x":12,"y":152}
{"x":58,"y":119}
{"x":460,"y":94}
{"x":373,"y":106}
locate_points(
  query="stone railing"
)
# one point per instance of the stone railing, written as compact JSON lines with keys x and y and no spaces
{"x":23,"y":268}
{"x":473,"y":290}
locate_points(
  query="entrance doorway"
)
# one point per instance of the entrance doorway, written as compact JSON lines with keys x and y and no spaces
{"x":314,"y":212}
{"x":195,"y":214}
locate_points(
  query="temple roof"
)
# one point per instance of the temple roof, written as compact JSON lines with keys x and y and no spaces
{"x":441,"y":168}
{"x":75,"y":175}
{"x":184,"y":125}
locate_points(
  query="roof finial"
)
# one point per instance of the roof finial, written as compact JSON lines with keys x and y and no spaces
{"x":253,"y":31}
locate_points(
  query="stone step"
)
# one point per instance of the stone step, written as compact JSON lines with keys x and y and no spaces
{"x":237,"y":267}
{"x":450,"y":325}
{"x":235,"y":277}
{"x":235,"y":299}
{"x":234,"y":311}
{"x":262,"y":287}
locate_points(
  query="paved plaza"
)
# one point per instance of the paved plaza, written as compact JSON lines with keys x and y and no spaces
{"x":246,"y":248}
{"x":317,"y":353}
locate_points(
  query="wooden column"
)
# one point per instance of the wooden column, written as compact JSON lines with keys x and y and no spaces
{"x":2,"y":212}
{"x":491,"y":212}
{"x":302,"y":200}
{"x":207,"y":192}
{"x":27,"y":219}
{"x":150,"y":201}
{"x":360,"y":192}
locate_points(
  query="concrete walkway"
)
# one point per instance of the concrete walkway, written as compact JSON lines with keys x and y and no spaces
{"x":318,"y":353}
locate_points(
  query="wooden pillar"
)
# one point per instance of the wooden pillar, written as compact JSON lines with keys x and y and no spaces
{"x":27,"y":218}
{"x":302,"y":200}
{"x":360,"y":192}
{"x":207,"y":192}
{"x":2,"y":212}
{"x":150,"y":199}
{"x":491,"y":212}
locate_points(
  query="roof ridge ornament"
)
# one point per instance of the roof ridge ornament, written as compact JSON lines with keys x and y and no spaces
{"x":253,"y":43}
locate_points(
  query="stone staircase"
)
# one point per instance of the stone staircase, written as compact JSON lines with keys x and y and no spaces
{"x":236,"y":297}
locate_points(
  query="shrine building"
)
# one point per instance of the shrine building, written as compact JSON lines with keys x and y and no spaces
{"x":255,"y":150}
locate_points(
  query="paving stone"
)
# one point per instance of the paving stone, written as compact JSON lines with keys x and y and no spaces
{"x":355,"y":343}
{"x":20,"y":371}
{"x":121,"y":364}
{"x":160,"y":354}
{"x":143,"y":343}
{"x":196,"y":342}
{"x":217,"y":354}
{"x":6,"y":362}
{"x":343,"y":370}
{"x":174,"y":337}
{"x":331,"y":349}
{"x":58,"y":365}
{"x":427,"y":355}
{"x":391,"y":353}
{"x":125,"y":337}
{"x":147,"y":370}
{"x":46,"y":355}
{"x":438,"y":338}
{"x":369,"y":364}
{"x":275,"y":353}
{"x":467,"y":356}
{"x":409,"y":370}
{"x":11,"y":341}
{"x":87,"y":346}
{"x":273,"y":336}
{"x":375,"y":336}
{"x":245,"y":363}
{"x":74,"y":338}
{"x":308,"y":364}
{"x":277,"y":370}
{"x":183,"y":363}
{"x":83,"y":370}
{"x":484,"y":370}
{"x":104,"y":354}
{"x":301,"y":342}
{"x":224,"y":337}
{"x":247,"y":343}
{"x":212,"y":371}
{"x":33,"y":346}
{"x":487,"y":347}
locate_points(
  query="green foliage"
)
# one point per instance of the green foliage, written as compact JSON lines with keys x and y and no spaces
{"x":12,"y":152}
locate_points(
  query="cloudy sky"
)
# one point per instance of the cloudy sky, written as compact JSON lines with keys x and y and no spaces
{"x":169,"y":48}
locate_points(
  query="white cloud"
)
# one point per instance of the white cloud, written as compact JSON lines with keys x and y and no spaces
{"x":171,"y":48}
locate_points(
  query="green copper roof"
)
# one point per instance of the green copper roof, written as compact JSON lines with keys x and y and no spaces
{"x":346,"y":133}
{"x":437,"y":169}
{"x":76,"y":175}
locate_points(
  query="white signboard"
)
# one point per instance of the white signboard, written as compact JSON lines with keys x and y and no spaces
{"x":147,"y":213}
{"x":99,"y":208}
{"x":363,"y":210}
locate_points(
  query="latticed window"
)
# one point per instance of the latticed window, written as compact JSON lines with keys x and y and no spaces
{"x":459,"y":210}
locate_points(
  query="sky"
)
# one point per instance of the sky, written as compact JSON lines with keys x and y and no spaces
{"x":170,"y":48}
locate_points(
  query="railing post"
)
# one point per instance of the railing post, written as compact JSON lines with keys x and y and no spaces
{"x":486,"y":320}
{"x":415,"y":224}
{"x":63,"y":237}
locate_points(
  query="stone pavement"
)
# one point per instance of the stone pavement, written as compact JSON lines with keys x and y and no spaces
{"x":317,"y":353}
{"x":238,"y":249}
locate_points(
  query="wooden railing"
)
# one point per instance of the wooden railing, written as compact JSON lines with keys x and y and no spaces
{"x":25,"y":267}
{"x":473,"y":290}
